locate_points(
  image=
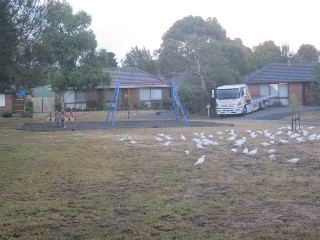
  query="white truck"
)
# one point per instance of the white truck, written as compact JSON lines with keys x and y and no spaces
{"x":236,"y":99}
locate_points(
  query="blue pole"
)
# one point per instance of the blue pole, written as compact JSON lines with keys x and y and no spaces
{"x":184,"y":116}
{"x":174,"y":94}
{"x":173,"y":100}
{"x":115,"y":107}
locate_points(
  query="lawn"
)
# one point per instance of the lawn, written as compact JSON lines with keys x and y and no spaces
{"x":91,"y":185}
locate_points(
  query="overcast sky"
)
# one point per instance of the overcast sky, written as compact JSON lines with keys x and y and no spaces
{"x":121,"y":25}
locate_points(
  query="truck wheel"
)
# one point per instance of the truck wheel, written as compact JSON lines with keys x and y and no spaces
{"x":244,"y":112}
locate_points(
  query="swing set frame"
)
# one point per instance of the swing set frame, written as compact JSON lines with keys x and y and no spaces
{"x":174,"y":99}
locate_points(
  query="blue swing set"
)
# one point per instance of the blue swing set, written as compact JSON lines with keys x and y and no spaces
{"x":174,"y":97}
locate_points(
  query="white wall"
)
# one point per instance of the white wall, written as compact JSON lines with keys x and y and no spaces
{"x":2,"y":100}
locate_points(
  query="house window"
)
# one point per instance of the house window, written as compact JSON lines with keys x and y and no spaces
{"x":283,"y":93}
{"x":2,"y":100}
{"x":264,"y":89}
{"x":279,"y":91}
{"x":75,"y":100}
{"x":274,"y":90}
{"x":144,"y":94}
{"x":156,"y":94}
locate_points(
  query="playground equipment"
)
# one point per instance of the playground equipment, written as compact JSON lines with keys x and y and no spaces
{"x":61,"y":117}
{"x":174,"y":98}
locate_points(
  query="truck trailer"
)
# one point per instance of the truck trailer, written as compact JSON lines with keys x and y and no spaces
{"x":236,"y":99}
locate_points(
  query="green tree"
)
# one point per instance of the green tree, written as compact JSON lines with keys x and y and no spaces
{"x":315,"y":87}
{"x":266,"y":53}
{"x":70,"y":48}
{"x":142,"y":59}
{"x":21,"y":24}
{"x":191,"y":95}
{"x":307,"y":53}
{"x":201,"y":50}
{"x":112,"y":60}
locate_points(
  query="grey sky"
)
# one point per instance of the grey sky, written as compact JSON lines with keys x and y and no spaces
{"x":121,"y":25}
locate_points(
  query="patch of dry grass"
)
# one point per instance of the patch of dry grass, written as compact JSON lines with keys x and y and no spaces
{"x":307,"y":116}
{"x":90,"y":185}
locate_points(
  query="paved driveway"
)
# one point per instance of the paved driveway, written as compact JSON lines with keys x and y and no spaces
{"x":272,"y":113}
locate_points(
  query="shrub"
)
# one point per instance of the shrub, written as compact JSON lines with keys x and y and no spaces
{"x":28,"y":109}
{"x":94,"y":105}
{"x":6,"y":114}
{"x":167,"y":103}
{"x":140,"y":105}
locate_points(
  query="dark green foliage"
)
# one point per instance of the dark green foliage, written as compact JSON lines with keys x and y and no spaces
{"x":28,"y":109}
{"x":6,"y":114}
{"x":140,"y":106}
{"x":71,"y":50}
{"x":201,"y":50}
{"x":307,"y":53}
{"x":167,"y":103}
{"x":266,"y":53}
{"x":21,"y":24}
{"x":94,"y":105}
{"x":192,"y":96}
{"x":112,"y":61}
{"x":142,"y":59}
{"x":195,"y":25}
{"x":315,"y":88}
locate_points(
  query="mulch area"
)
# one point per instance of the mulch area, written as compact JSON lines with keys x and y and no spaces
{"x":78,"y":126}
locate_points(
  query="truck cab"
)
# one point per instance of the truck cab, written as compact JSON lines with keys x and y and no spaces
{"x":231,"y":99}
{"x":236,"y":99}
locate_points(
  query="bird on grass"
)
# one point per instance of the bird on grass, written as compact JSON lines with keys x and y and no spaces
{"x":186,"y":152}
{"x":282,"y":141}
{"x":124,"y":138}
{"x":300,"y":139}
{"x":253,"y":152}
{"x":253,"y":135}
{"x":158,"y":139}
{"x":234,"y":150}
{"x":133,"y":142}
{"x":272,"y":157}
{"x":294,"y":160}
{"x":183,"y":137}
{"x":168,"y":137}
{"x":265,"y":144}
{"x":167,"y":143}
{"x":199,"y":146}
{"x":200,"y":160}
{"x":246,"y":151}
{"x":271,"y":151}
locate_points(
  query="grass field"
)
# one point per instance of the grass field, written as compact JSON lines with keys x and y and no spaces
{"x":91,"y":185}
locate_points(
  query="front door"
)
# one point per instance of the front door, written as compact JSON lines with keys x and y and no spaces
{"x":18,"y":104}
{"x":306,"y":96}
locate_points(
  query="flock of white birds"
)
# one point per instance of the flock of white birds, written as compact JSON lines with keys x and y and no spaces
{"x":237,"y":143}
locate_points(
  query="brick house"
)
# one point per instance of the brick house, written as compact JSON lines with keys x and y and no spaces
{"x":11,"y":101}
{"x":136,"y":87}
{"x":282,"y":80}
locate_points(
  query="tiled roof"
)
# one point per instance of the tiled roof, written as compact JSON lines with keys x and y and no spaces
{"x":284,"y":73}
{"x":134,"y":77}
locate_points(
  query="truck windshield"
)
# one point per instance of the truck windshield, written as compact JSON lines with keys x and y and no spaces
{"x":228,"y":93}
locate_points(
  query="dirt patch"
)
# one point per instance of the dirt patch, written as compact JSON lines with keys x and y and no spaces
{"x":78,"y":126}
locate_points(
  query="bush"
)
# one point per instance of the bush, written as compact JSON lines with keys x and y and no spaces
{"x":28,"y":109}
{"x":167,"y":103}
{"x":6,"y":114}
{"x":94,"y":105}
{"x":140,"y":106}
